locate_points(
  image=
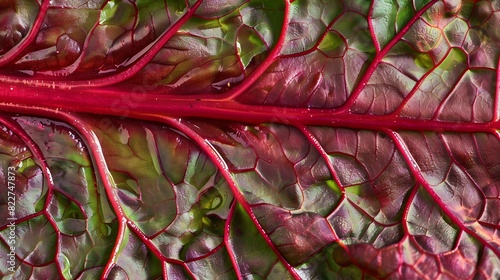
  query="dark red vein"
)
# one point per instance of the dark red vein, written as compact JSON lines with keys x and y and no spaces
{"x":379,"y":56}
{"x":449,"y":95}
{"x":227,"y":242}
{"x":75,"y":201}
{"x":324,"y":155}
{"x":417,"y":173}
{"x":464,"y":170}
{"x":496,"y":109}
{"x":147,"y":56}
{"x":372,"y":29}
{"x":404,"y":220}
{"x":210,"y":253}
{"x":150,"y":245}
{"x":23,"y":219}
{"x":419,"y":83}
{"x":214,"y":155}
{"x":40,"y":159}
{"x":35,"y":150}
{"x":270,"y":59}
{"x":26,"y":42}
{"x":319,"y":40}
{"x":95,"y":150}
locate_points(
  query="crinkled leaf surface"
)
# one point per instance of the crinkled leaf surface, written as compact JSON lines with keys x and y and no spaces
{"x":250,"y":139}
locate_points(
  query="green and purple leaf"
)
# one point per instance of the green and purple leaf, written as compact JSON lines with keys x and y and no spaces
{"x":250,"y":139}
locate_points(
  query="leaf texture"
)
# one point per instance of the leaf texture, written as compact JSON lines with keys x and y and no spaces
{"x":253,"y":139}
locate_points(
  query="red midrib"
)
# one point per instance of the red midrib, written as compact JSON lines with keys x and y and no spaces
{"x":150,"y":106}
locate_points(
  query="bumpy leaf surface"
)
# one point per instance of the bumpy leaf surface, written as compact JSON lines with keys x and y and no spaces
{"x":249,"y":139}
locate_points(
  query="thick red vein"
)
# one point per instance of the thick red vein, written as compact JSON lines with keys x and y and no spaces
{"x":26,"y":42}
{"x":95,"y":150}
{"x":152,"y":106}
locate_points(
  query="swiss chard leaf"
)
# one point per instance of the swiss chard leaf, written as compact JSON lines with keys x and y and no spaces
{"x":249,"y":139}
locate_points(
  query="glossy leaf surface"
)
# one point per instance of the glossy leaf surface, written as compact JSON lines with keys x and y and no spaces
{"x":217,"y":139}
